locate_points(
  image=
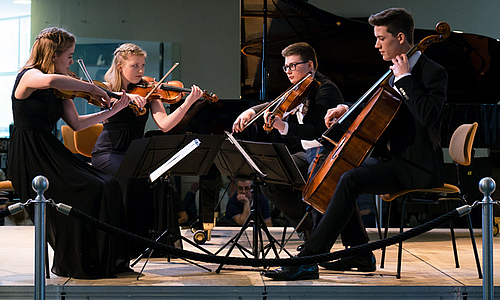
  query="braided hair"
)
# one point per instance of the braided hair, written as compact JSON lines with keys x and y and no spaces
{"x":113,"y":76}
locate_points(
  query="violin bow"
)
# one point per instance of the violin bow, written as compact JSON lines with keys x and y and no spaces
{"x":84,"y":70}
{"x":163,"y":79}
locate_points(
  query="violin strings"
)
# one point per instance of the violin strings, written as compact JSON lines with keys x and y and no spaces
{"x":163,"y":79}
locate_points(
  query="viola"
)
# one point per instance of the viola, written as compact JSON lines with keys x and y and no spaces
{"x":97,"y":102}
{"x":285,"y":102}
{"x":86,"y":95}
{"x":170,"y":92}
{"x":293,"y":98}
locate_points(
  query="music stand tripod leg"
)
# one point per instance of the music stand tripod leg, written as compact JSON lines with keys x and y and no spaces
{"x":171,"y":236}
{"x":259,"y":225}
{"x":234,"y":242}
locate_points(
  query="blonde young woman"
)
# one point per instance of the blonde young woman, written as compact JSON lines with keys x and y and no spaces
{"x":126,"y":71}
{"x":80,"y":251}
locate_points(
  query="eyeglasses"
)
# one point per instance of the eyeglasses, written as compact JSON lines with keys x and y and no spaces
{"x":292,"y":66}
{"x":244,"y":188}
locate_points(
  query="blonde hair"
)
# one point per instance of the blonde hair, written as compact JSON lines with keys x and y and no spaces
{"x":121,"y":54}
{"x":49,"y":43}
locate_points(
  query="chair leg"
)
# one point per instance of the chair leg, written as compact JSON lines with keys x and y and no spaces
{"x":453,"y":240}
{"x":283,"y":234}
{"x":474,"y":247}
{"x":473,"y":241}
{"x":400,"y":249}
{"x":382,"y":259}
{"x":377,"y":216}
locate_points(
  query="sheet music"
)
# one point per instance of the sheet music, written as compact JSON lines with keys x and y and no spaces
{"x":174,"y":159}
{"x":247,"y":157}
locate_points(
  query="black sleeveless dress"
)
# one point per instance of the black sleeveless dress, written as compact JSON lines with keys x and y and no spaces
{"x":80,"y":251}
{"x":139,"y":198}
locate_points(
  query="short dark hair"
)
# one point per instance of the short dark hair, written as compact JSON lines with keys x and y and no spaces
{"x":397,"y":20}
{"x":304,"y":50}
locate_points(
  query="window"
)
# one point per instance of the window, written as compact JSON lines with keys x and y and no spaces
{"x":15,"y":34}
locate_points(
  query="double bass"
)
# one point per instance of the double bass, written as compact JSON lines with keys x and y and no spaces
{"x":356,"y":143}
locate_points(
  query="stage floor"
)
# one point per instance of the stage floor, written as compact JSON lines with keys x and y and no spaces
{"x":428,"y":272}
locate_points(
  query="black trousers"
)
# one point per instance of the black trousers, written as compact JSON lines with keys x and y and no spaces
{"x":342,"y":215}
{"x":210,"y":185}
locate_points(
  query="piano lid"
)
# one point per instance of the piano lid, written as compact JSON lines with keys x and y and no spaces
{"x":346,"y":52}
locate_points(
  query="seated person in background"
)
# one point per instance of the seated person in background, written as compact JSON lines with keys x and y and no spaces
{"x":182,"y":215}
{"x":189,"y":203}
{"x":239,"y":205}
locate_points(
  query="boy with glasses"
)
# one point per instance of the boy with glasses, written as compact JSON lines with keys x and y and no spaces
{"x":303,"y":125}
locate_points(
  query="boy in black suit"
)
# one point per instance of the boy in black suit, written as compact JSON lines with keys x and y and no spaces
{"x":413,"y":156}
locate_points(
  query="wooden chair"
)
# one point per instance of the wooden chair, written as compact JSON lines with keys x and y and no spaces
{"x":85,"y":139}
{"x":6,"y":186}
{"x":461,"y":152}
{"x":82,"y":141}
{"x":68,"y":136}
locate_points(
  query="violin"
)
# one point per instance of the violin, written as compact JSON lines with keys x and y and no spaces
{"x":138,"y":111}
{"x":91,"y":100}
{"x":87,"y":95}
{"x":170,"y":92}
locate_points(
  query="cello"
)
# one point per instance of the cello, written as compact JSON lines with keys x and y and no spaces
{"x":356,"y":143}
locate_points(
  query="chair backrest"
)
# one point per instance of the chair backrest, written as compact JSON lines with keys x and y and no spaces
{"x":85,"y":139}
{"x":461,"y":143}
{"x":68,"y":136}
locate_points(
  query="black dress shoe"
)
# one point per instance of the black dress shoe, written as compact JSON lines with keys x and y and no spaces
{"x":352,"y":263}
{"x":302,"y":272}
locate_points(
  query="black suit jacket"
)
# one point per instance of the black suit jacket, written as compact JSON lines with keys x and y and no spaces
{"x":414,"y":134}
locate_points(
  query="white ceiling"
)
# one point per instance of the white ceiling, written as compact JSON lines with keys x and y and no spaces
{"x":9,"y":9}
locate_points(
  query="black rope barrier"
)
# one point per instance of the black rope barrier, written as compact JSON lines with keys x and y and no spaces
{"x":4,"y":213}
{"x":264,"y":262}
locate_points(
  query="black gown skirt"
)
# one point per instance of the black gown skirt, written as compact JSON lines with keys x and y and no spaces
{"x":80,"y":251}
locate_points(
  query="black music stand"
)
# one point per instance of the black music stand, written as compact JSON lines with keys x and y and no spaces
{"x":146,"y":157}
{"x":263,"y":163}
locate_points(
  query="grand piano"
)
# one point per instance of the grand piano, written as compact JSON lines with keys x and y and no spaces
{"x":346,"y":54}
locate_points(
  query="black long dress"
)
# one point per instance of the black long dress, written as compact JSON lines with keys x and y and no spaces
{"x":146,"y":215}
{"x":80,"y":251}
{"x":109,"y":150}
